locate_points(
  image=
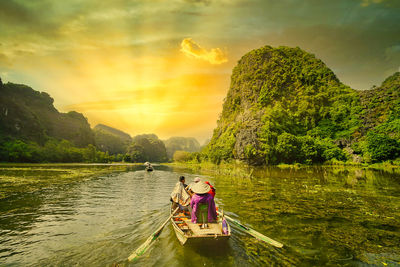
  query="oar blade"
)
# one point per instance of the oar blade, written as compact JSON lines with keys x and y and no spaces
{"x":141,"y":250}
{"x":256,"y":234}
{"x":264,"y":238}
{"x":145,"y":246}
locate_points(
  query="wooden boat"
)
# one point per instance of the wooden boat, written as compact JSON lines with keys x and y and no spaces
{"x":149,"y":169}
{"x":191,"y":233}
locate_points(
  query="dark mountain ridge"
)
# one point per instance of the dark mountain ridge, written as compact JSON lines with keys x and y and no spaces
{"x":30,"y":115}
{"x":111,"y":140}
{"x":124,"y":136}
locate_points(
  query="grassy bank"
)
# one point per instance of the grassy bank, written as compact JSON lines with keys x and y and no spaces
{"x":238,"y":168}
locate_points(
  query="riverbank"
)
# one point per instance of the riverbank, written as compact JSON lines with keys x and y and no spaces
{"x":238,"y":168}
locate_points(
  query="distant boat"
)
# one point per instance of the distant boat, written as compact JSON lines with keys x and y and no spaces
{"x":149,"y":168}
{"x":191,"y":233}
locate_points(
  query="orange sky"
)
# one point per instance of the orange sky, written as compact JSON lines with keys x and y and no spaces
{"x":179,"y":93}
{"x":164,"y":67}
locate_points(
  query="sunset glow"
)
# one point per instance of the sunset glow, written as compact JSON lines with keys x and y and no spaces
{"x":164,"y":66}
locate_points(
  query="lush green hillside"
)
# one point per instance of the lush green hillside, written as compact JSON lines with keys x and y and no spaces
{"x":188,"y":144}
{"x":147,"y":147}
{"x":111,"y":140}
{"x":382,"y":104}
{"x":29,"y":115}
{"x":380,"y":121}
{"x":32,"y":130}
{"x":118,"y":133}
{"x":285,"y":106}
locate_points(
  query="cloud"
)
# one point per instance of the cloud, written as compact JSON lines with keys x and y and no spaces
{"x":4,"y":60}
{"x":202,"y":88}
{"x":192,"y":49}
{"x":358,"y":57}
{"x":162,"y":107}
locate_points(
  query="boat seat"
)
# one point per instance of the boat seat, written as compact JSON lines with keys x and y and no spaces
{"x":213,"y":229}
{"x":202,"y":213}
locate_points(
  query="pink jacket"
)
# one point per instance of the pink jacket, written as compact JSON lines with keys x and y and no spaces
{"x":208,"y":199}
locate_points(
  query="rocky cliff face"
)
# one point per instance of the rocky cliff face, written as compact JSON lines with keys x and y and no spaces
{"x":380,"y":102}
{"x":285,"y":105}
{"x":30,"y":115}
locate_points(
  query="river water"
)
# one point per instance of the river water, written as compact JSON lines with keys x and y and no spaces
{"x":323,"y":216}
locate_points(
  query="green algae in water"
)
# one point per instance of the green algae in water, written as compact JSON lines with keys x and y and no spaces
{"x":25,"y":178}
{"x":324,"y":215}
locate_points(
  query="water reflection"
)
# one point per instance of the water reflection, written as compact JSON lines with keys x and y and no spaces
{"x":324,"y":216}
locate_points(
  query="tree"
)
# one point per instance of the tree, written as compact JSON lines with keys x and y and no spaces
{"x":382,"y":147}
{"x":182,"y":156}
{"x":147,"y":147}
{"x":288,"y":148}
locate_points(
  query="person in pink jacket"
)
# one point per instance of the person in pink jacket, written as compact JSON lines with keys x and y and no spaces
{"x":201,"y":195}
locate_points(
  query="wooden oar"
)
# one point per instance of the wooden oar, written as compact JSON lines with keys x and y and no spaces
{"x":254,"y":233}
{"x":143,"y":248}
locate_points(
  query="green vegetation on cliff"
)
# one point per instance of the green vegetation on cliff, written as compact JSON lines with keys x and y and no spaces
{"x":381,"y":121}
{"x":146,"y":147}
{"x":286,"y":106}
{"x":32,"y":130}
{"x":29,"y":115}
{"x":188,"y":144}
{"x":111,"y":140}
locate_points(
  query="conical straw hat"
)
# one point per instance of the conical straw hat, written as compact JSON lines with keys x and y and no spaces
{"x":200,"y":188}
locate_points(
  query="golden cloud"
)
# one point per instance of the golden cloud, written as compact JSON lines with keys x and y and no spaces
{"x":192,"y":49}
{"x":187,"y":104}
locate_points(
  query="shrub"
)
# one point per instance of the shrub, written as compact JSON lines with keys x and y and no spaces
{"x":381,"y":147}
{"x":288,"y":148}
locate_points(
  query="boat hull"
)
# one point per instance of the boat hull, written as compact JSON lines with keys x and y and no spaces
{"x":179,"y":234}
{"x":198,"y":239}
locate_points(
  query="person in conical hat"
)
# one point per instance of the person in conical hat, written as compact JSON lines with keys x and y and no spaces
{"x":200,"y":188}
{"x":201,"y":195}
{"x":189,"y":187}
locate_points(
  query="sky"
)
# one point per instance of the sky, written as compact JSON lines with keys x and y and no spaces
{"x":164,"y":67}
